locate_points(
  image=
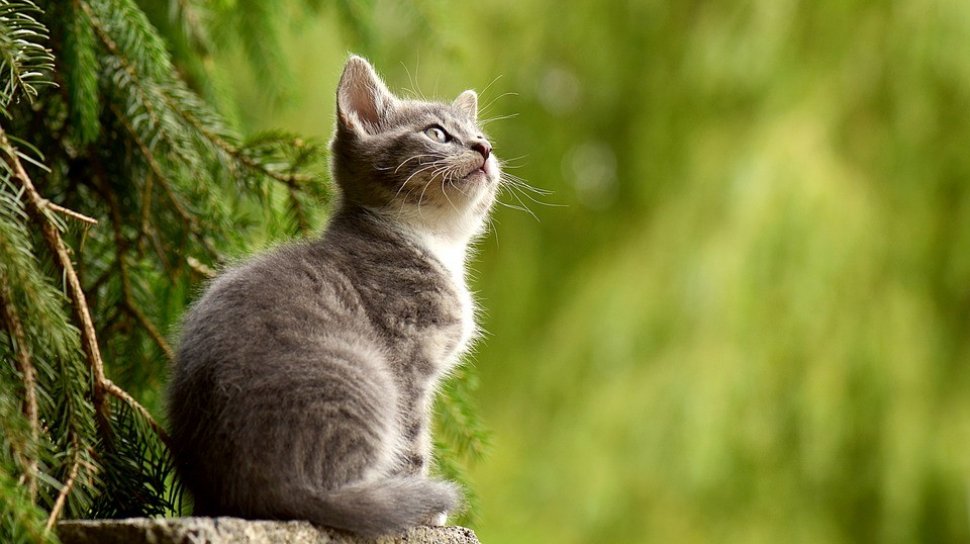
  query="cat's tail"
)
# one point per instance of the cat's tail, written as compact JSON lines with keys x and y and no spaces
{"x":374,"y":508}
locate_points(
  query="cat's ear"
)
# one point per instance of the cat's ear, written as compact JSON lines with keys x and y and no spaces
{"x":362,"y":98}
{"x":467,"y":104}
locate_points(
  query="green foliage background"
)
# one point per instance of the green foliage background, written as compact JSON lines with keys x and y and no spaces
{"x":750,"y":321}
{"x":746,"y":319}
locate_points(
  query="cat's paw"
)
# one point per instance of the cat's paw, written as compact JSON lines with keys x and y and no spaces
{"x":437,"y":520}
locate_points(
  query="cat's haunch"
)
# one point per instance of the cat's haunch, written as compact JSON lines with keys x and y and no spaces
{"x":304,"y":379}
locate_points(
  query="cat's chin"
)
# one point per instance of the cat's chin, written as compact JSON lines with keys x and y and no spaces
{"x":486,"y":173}
{"x":478,"y":175}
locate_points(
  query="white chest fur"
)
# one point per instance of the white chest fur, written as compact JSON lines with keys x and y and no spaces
{"x":452,"y":255}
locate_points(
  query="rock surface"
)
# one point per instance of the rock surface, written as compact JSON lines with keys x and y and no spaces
{"x":238,"y":531}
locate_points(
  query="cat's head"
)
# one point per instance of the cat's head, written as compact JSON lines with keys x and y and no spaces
{"x":427,"y":164}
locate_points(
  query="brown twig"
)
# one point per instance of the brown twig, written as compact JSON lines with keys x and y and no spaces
{"x":68,"y":485}
{"x":159,"y":250}
{"x":69,"y":212}
{"x":98,"y":282}
{"x":123,"y":396}
{"x":26,"y":368}
{"x":150,"y":328}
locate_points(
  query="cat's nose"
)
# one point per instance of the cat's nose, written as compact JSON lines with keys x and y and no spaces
{"x":482,"y":147}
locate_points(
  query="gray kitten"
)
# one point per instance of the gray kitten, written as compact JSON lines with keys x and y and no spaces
{"x":305,"y":377}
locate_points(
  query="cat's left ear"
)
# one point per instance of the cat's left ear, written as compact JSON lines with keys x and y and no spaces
{"x":467,"y":104}
{"x":363,"y":100}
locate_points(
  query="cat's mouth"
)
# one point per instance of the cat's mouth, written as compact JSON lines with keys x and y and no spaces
{"x":476,"y":173}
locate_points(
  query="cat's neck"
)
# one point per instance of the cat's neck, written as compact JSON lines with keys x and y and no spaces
{"x":450,"y":252}
{"x":447,"y":245}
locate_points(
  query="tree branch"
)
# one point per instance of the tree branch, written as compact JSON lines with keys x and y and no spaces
{"x":70,"y":213}
{"x":52,"y":236}
{"x":126,"y":291}
{"x":68,"y":485}
{"x":301,"y":218}
{"x":26,"y":368}
{"x":123,"y":396}
{"x":156,"y":168}
{"x":291,"y":179}
{"x":89,"y":341}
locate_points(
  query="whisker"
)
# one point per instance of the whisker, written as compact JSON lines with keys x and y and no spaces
{"x":421,"y":198}
{"x":526,"y":187}
{"x":514,"y":207}
{"x":512,"y":179}
{"x":490,"y":223}
{"x":443,"y":191}
{"x":504,"y":161}
{"x":484,"y":108}
{"x":431,"y":178}
{"x":532,"y":198}
{"x":411,"y":190}
{"x":419,"y":161}
{"x":405,"y":161}
{"x":413,"y":79}
{"x":498,"y":77}
{"x":527,"y":208}
{"x":416,"y":172}
{"x":486,"y":121}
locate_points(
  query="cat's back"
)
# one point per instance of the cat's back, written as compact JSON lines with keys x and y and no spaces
{"x":284,"y":300}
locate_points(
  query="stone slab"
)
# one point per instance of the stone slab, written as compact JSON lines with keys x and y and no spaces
{"x":238,"y":531}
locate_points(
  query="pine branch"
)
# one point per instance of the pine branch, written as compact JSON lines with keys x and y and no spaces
{"x":82,"y":313}
{"x":139,"y":81}
{"x":256,"y":25}
{"x":144,"y":223}
{"x":191,"y":16}
{"x":156,"y":168}
{"x":79,"y":64}
{"x":126,"y":292}
{"x":290,"y":179}
{"x":68,"y":212}
{"x":161,"y":94}
{"x":26,"y":369}
{"x":23,"y":58}
{"x":68,"y":486}
{"x":52,"y":236}
{"x":123,"y":396}
{"x":60,"y":371}
{"x":302,"y":222}
{"x":22,"y":520}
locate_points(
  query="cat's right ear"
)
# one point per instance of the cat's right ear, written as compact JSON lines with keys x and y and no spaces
{"x":363,"y":100}
{"x":467,"y":104}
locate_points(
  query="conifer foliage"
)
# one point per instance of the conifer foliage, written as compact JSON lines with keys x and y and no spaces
{"x":121,"y":186}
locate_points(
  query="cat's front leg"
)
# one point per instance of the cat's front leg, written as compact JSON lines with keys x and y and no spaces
{"x":415,"y":456}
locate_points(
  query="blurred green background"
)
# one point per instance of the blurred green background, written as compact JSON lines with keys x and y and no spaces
{"x":746,"y":317}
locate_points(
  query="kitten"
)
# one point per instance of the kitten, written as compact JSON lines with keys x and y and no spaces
{"x":305,"y":377}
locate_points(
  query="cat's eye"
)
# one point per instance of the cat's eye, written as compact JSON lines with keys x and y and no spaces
{"x":437,"y":134}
